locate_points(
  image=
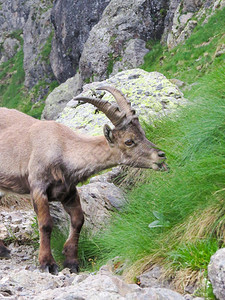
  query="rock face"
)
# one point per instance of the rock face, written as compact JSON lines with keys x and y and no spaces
{"x":216,"y":273}
{"x":121,"y":21}
{"x":32,"y":18}
{"x":37,"y":34}
{"x":13,"y":16}
{"x":153,"y":278}
{"x":131,"y":57}
{"x":72,"y":21}
{"x":151,"y":95}
{"x":99,"y":37}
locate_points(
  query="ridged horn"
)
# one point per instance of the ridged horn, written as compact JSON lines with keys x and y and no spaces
{"x":122,"y":101}
{"x":111,"y":111}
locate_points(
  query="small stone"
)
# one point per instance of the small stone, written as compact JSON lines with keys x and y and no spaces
{"x":216,"y":273}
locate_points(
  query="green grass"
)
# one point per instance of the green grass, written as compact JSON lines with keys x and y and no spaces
{"x":195,"y":255}
{"x":194,"y":144}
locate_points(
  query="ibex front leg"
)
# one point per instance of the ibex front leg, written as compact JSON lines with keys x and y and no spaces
{"x":73,"y":208}
{"x":45,"y":224}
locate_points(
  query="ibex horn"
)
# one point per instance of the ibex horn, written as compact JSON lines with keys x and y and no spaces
{"x":122,"y":101}
{"x":111,"y":111}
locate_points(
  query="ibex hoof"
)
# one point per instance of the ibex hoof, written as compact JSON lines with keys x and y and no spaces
{"x":74,"y":267}
{"x":50,"y":268}
{"x":4,"y":253}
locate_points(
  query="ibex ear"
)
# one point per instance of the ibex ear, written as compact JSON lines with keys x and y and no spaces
{"x":108,"y":133}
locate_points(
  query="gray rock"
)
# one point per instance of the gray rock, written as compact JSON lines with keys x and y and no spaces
{"x":28,"y":20}
{"x":177,"y":82}
{"x":60,"y":96}
{"x":59,"y":215}
{"x":216,"y":273}
{"x":17,"y":224}
{"x":10,"y":48}
{"x":151,"y":95}
{"x":98,"y":200}
{"x":220,"y":50}
{"x":108,"y":176}
{"x":132,"y":56}
{"x":3,"y":231}
{"x":153,"y":278}
{"x":121,"y":21}
{"x":13,"y":16}
{"x":106,"y":286}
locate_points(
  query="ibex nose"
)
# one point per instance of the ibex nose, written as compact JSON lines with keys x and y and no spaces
{"x":161,"y":154}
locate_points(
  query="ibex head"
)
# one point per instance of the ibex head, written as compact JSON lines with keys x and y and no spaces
{"x":127,"y":136}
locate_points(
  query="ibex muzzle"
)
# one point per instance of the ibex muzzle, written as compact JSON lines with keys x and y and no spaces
{"x":48,"y":160}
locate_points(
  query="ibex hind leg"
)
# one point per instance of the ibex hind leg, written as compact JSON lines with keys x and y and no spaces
{"x":45,"y":224}
{"x":73,"y":208}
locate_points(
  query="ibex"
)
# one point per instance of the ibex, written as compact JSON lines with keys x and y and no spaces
{"x":48,"y":160}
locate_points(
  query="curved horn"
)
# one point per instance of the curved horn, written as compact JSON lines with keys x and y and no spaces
{"x":122,"y":101}
{"x":111,"y":111}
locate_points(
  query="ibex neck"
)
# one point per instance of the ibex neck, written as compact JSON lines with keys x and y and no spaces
{"x":93,"y":155}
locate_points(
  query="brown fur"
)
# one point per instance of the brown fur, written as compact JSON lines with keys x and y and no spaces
{"x":47,"y":160}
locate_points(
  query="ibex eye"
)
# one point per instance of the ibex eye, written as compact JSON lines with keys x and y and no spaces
{"x":129,"y":142}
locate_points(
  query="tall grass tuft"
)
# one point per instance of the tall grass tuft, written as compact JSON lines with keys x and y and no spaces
{"x":174,"y":213}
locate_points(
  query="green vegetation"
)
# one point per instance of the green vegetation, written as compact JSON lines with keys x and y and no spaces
{"x":12,"y":78}
{"x":111,"y":62}
{"x":193,"y":59}
{"x":46,"y":50}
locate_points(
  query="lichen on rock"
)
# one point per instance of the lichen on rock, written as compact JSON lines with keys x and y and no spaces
{"x":152,"y":95}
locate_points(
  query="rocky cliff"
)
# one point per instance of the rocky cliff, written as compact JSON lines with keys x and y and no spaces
{"x":98,"y":38}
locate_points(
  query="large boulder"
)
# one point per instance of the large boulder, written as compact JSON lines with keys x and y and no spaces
{"x":59,"y":97}
{"x":216,"y":273}
{"x":152,"y":95}
{"x":98,"y":201}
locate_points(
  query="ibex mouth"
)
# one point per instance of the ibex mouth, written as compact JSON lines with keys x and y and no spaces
{"x":160,"y":167}
{"x":163,"y":167}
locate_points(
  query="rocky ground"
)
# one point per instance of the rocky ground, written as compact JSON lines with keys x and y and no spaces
{"x":20,"y":278}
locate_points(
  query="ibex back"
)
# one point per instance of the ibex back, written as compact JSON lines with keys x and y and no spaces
{"x":48,"y":160}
